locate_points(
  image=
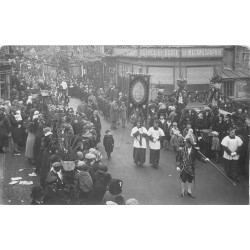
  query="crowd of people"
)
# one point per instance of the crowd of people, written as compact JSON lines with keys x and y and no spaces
{"x":192,"y":134}
{"x":38,"y":121}
{"x":60,"y":143}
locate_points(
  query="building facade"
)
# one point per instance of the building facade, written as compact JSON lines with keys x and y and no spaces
{"x":197,"y":64}
{"x":236,"y":72}
{"x":167,"y":64}
{"x":5,"y":81}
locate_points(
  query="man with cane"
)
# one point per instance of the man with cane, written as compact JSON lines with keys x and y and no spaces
{"x":185,"y":162}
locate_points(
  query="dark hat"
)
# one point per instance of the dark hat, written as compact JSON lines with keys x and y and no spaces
{"x":103,"y":168}
{"x":53,"y":158}
{"x":115,"y":186}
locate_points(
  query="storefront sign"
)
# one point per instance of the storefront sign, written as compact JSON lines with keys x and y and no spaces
{"x":170,"y":52}
{"x":211,"y":52}
{"x":159,"y":53}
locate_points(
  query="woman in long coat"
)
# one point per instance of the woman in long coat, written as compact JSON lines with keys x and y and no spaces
{"x":31,"y":128}
{"x":95,"y":119}
{"x":16,"y":129}
{"x":113,"y":114}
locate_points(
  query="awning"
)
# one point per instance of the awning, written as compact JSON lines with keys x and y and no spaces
{"x":233,"y":74}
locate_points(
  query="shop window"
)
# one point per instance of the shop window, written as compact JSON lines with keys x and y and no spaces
{"x":228,"y":88}
{"x":2,"y":84}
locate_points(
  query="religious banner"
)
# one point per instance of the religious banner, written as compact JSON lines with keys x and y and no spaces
{"x":138,"y":95}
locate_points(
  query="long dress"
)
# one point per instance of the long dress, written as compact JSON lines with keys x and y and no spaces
{"x":30,"y":141}
{"x":30,"y":145}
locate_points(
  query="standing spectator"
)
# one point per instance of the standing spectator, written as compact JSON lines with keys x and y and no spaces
{"x":227,"y":124}
{"x":92,"y":98}
{"x":95,"y":119}
{"x":172,"y":114}
{"x":231,"y":145}
{"x":16,"y":128}
{"x":176,"y":142}
{"x":139,"y":154}
{"x":64,"y":86}
{"x":155,"y":135}
{"x":162,"y":125}
{"x":200,"y":123}
{"x":114,"y":190}
{"x":123,"y":113}
{"x":174,"y":129}
{"x":167,"y":129}
{"x":216,"y":146}
{"x":108,"y":143}
{"x":114,"y":114}
{"x":31,"y":128}
{"x":81,"y":108}
{"x":5,"y":130}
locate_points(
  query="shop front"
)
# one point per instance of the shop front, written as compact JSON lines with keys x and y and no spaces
{"x":5,"y":78}
{"x":167,"y":64}
{"x":235,"y":84}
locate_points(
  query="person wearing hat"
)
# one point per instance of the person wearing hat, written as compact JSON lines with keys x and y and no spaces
{"x":123,"y":113}
{"x":167,"y":128}
{"x":108,"y":143}
{"x":174,"y":129}
{"x":5,"y":130}
{"x":16,"y":122}
{"x":200,"y":123}
{"x":30,"y":142}
{"x":55,"y":171}
{"x":85,"y":183}
{"x":114,"y":190}
{"x":216,"y":146}
{"x":99,"y":189}
{"x":114,"y":114}
{"x":227,"y":124}
{"x":81,"y":108}
{"x":173,"y":113}
{"x":47,"y":149}
{"x":95,"y":119}
{"x":232,"y":145}
{"x":140,"y":134}
{"x":218,"y":126}
{"x":92,"y":98}
{"x":185,"y":163}
{"x":177,"y":142}
{"x":155,"y":135}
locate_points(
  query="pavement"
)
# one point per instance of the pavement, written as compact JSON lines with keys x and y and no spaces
{"x":148,"y":185}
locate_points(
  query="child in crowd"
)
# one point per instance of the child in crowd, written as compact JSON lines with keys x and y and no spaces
{"x":108,"y":143}
{"x":216,"y":146}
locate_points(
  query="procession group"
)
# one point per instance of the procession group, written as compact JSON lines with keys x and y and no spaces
{"x":40,"y":125}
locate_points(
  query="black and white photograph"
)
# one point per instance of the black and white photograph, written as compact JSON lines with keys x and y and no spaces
{"x":143,"y":103}
{"x":125,"y":125}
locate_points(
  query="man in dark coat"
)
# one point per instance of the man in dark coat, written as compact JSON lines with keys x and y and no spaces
{"x":114,"y":114}
{"x":5,"y":129}
{"x":95,"y":119}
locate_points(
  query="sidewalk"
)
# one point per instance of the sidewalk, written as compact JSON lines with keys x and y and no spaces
{"x":12,"y":166}
{"x":2,"y":163}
